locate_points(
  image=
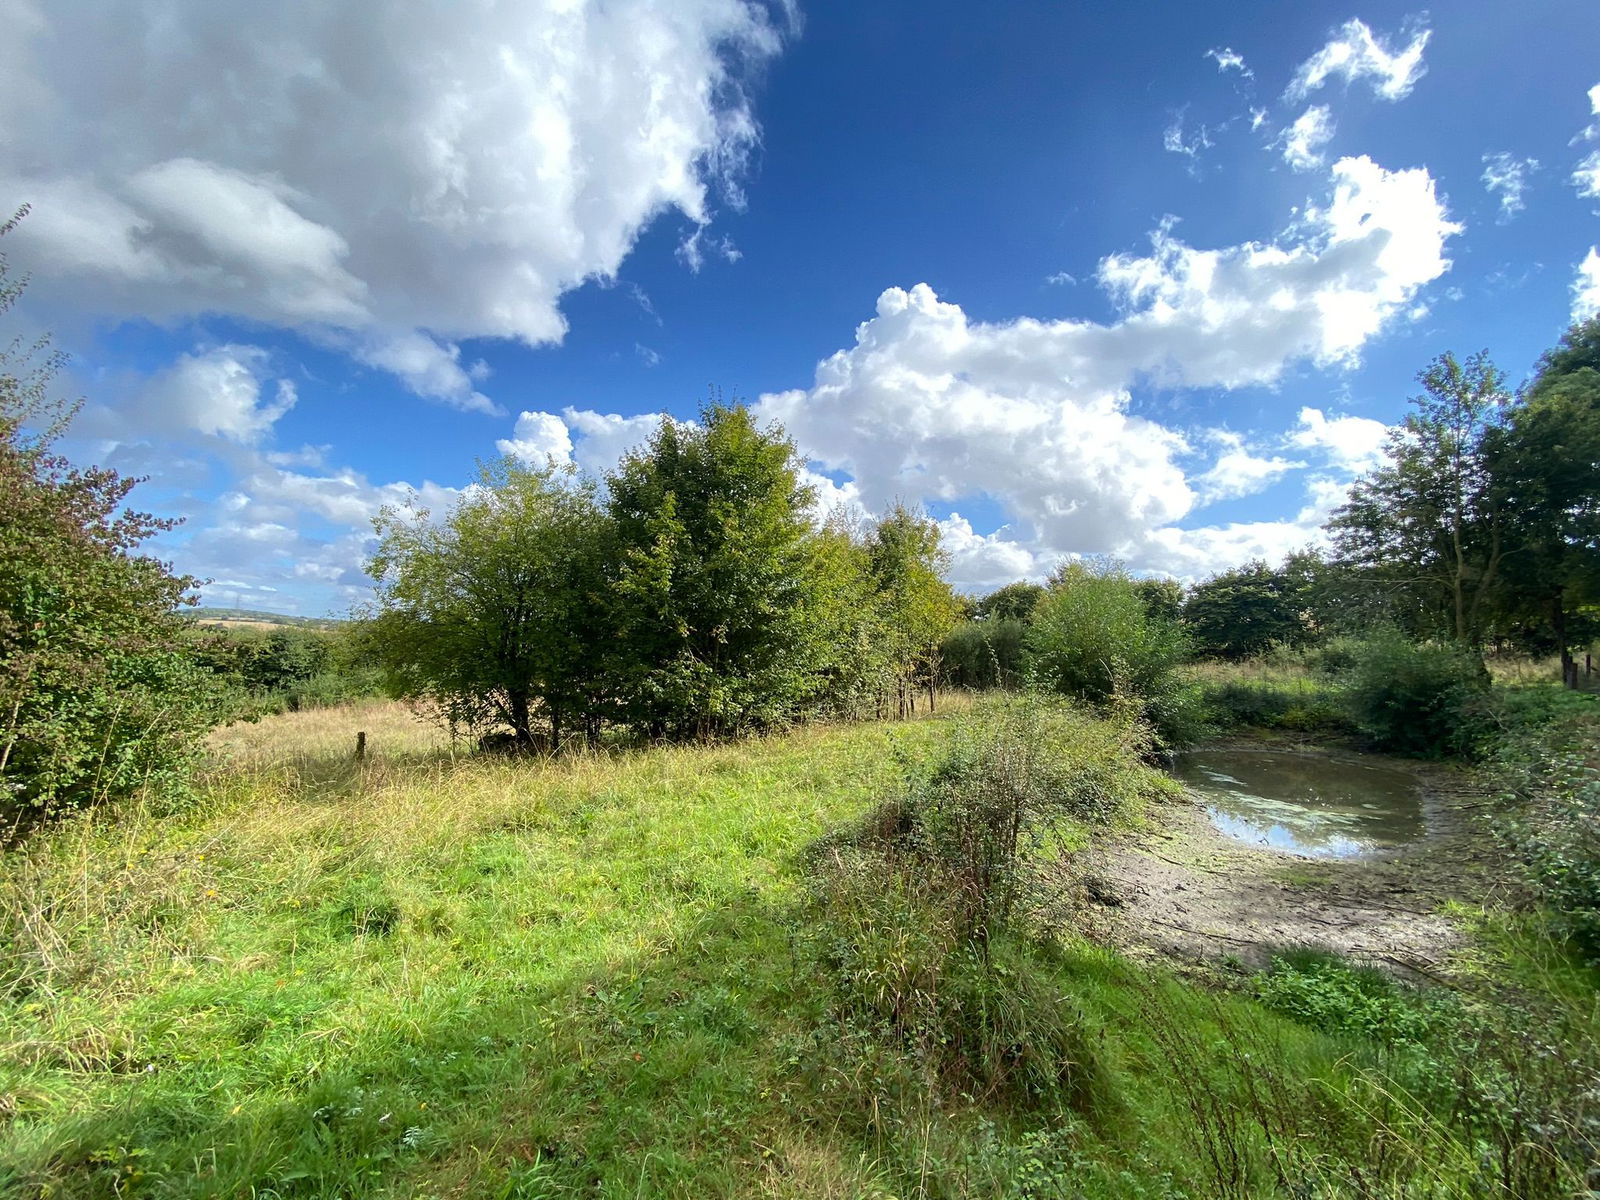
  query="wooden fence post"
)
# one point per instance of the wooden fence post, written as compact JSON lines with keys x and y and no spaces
{"x":361,"y":746}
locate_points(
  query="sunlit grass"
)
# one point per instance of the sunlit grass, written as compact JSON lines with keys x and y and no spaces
{"x":438,"y":973}
{"x":1515,"y":670}
{"x":398,"y":927}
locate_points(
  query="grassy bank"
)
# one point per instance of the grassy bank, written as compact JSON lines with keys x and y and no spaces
{"x":438,"y":974}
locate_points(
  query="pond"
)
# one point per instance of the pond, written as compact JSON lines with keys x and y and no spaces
{"x":1305,"y":803}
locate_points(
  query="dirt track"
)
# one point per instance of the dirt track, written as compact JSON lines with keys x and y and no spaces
{"x":1181,"y":889}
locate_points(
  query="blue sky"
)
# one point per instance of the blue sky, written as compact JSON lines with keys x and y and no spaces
{"x":1140,"y":280}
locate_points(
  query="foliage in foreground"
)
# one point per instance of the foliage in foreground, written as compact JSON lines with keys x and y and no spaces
{"x":1551,"y":787}
{"x":98,"y":694}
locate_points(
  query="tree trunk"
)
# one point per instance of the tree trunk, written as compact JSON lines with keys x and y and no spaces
{"x":1558,"y":623}
{"x":517,"y":701}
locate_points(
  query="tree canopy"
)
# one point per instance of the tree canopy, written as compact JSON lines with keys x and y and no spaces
{"x":1485,"y":519}
{"x":493,"y":614}
{"x":1246,"y":611}
{"x":719,"y":601}
{"x":1547,"y":463}
{"x":1427,"y":526}
{"x":699,"y":598}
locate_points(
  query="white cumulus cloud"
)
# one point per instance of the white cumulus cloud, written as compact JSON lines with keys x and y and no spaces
{"x":1239,"y":470}
{"x":596,"y":442}
{"x":1586,"y":287}
{"x":983,"y":562}
{"x":390,"y":176}
{"x":1351,"y":444}
{"x":226,"y":392}
{"x":1235,"y":316}
{"x":929,"y":405}
{"x":538,"y":438}
{"x":1587,"y":176}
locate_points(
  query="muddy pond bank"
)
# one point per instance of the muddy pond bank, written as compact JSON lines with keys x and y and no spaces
{"x":1274,"y":844}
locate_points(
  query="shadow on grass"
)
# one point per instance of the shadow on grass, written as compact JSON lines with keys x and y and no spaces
{"x":706,"y":1065}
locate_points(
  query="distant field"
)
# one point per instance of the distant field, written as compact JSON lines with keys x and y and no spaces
{"x":245,"y":618}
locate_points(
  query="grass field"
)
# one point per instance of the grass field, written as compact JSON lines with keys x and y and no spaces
{"x":439,"y":974}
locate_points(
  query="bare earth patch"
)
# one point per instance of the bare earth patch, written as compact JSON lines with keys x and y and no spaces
{"x":1181,"y":889}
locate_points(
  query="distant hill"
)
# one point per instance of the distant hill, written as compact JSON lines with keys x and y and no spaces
{"x":256,"y":619}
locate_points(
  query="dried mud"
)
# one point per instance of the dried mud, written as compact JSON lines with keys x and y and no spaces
{"x":1180,"y":889}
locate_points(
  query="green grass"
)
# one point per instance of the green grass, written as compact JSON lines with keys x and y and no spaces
{"x":1271,"y":694}
{"x":434,"y":974}
{"x":244,"y":995}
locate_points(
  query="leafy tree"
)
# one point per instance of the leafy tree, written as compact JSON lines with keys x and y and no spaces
{"x":722,"y":624}
{"x":98,"y":696}
{"x":1163,"y":598}
{"x":857,"y":670}
{"x":1547,"y":461}
{"x":1014,"y":602}
{"x":1334,"y":598}
{"x":1245,"y":611}
{"x":1091,"y":635}
{"x":985,"y":654}
{"x":495,"y":614}
{"x":916,"y":608}
{"x":1428,"y":525}
{"x":1093,"y":638}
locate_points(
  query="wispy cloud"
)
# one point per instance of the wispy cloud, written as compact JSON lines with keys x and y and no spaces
{"x":1506,"y":177}
{"x":1355,"y":52}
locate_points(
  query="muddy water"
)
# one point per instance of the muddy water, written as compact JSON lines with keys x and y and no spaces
{"x":1304,"y":803}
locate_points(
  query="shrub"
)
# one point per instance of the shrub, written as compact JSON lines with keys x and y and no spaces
{"x":1093,"y":637}
{"x":936,"y":988}
{"x":1005,"y":783}
{"x":98,"y":695}
{"x":1558,"y":842}
{"x":1427,"y":700}
{"x":1335,"y":656}
{"x":920,"y":1014}
{"x":1301,"y":706}
{"x":984,"y":654}
{"x":1333,"y":996}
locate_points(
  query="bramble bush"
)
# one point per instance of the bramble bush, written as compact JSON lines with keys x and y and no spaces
{"x":99,"y":695}
{"x":1556,"y":837}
